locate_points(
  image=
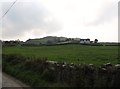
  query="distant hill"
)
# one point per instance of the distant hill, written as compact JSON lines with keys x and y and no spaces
{"x":52,"y":40}
{"x":46,"y":40}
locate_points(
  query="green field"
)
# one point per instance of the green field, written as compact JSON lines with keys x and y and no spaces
{"x":31,"y":69}
{"x":68,"y":53}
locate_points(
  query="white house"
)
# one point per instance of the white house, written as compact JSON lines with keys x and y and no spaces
{"x":85,"y":41}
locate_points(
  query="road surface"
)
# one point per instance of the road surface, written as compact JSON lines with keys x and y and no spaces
{"x":8,"y":81}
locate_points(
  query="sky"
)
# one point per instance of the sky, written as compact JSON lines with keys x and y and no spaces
{"x":29,"y":19}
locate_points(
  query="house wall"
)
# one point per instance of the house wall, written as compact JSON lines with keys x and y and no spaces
{"x":85,"y":42}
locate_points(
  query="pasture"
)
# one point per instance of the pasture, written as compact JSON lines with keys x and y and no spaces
{"x":71,"y":53}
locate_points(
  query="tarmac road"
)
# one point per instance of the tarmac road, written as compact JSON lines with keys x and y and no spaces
{"x":8,"y":81}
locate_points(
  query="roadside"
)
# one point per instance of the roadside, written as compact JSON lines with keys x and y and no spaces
{"x":8,"y":81}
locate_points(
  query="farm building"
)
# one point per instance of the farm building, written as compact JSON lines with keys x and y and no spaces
{"x":85,"y":41}
{"x":76,"y":39}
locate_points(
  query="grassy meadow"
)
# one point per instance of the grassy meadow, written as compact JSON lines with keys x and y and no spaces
{"x":71,"y":53}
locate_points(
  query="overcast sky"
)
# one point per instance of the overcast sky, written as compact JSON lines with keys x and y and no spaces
{"x":69,"y":18}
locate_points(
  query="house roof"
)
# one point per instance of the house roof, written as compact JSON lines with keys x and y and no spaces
{"x":84,"y":39}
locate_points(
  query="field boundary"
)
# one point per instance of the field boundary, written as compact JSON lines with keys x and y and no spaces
{"x":40,"y":72}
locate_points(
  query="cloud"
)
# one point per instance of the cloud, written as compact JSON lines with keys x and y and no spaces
{"x":25,"y":17}
{"x":73,"y":18}
{"x":107,"y":13}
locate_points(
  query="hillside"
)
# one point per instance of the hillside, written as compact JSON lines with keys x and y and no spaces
{"x":51,"y":40}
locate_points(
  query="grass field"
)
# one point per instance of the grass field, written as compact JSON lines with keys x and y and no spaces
{"x":31,"y":69}
{"x":69,"y":53}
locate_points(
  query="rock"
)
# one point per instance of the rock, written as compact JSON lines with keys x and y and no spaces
{"x":72,"y":64}
{"x":52,"y":62}
{"x":104,"y":69}
{"x":63,"y":65}
{"x":91,"y":65}
{"x":117,"y":66}
{"x":108,"y":65}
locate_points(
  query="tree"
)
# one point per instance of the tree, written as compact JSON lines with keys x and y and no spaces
{"x":96,"y":40}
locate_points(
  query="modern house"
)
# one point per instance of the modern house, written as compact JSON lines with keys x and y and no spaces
{"x":84,"y":41}
{"x":87,"y":41}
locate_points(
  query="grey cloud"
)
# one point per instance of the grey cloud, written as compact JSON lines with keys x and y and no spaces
{"x":108,"y":13}
{"x":26,"y":16}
